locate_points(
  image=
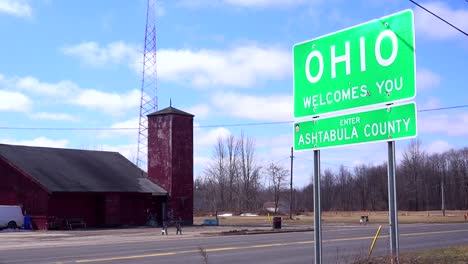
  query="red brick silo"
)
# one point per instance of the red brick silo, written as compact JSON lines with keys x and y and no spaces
{"x":170,"y":159}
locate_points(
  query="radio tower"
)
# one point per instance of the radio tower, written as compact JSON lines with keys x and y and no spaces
{"x":149,"y":98}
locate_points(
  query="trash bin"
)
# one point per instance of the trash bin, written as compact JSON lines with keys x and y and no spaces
{"x":276,"y":222}
{"x":27,"y":222}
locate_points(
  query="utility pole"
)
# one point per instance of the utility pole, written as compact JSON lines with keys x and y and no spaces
{"x":442,"y":185}
{"x":291,"y":185}
{"x":443,"y":197}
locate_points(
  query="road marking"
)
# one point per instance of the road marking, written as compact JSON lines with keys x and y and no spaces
{"x":256,"y":246}
{"x":192,"y":251}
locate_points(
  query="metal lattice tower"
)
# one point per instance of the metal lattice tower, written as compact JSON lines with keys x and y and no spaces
{"x":149,"y":98}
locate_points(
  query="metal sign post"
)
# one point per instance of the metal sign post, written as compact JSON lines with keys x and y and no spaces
{"x":392,"y":202}
{"x":317,"y":209}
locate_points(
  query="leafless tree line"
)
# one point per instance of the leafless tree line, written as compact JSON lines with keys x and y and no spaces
{"x":232,"y":179}
{"x":233,"y":182}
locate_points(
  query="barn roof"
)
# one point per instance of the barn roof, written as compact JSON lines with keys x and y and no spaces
{"x":72,"y":170}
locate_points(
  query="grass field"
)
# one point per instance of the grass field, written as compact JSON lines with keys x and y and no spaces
{"x":451,"y":255}
{"x":404,"y":217}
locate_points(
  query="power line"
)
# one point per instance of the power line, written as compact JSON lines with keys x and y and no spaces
{"x":427,"y":10}
{"x":200,"y":126}
{"x":443,"y":108}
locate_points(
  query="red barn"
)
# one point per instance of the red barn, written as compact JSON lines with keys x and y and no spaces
{"x":104,"y":188}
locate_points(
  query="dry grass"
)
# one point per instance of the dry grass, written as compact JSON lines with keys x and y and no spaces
{"x":404,"y":217}
{"x":452,"y":255}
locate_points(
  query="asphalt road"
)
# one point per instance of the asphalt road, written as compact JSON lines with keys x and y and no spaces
{"x":341,"y":244}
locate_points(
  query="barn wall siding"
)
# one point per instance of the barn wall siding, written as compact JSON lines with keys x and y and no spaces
{"x":18,"y":189}
{"x":63,"y":205}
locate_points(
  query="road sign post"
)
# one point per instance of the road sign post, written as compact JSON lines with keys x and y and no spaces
{"x":392,"y":201}
{"x":368,"y":64}
{"x":317,"y":209}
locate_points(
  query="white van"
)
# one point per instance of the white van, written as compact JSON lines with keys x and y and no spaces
{"x":11,"y":216}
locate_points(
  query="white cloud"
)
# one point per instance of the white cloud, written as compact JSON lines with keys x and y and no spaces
{"x":200,"y":111}
{"x":430,"y":103}
{"x":93,"y":54}
{"x":131,"y":133}
{"x":54,"y":116}
{"x":201,"y":162}
{"x":132,"y":123}
{"x":33,"y":85}
{"x":438,"y":146}
{"x":241,"y":66}
{"x":16,"y":7}
{"x":14,"y":102}
{"x":66,"y":91}
{"x":437,"y":29}
{"x":111,"y":103}
{"x":160,"y":10}
{"x":452,"y":125}
{"x":129,"y":151}
{"x":203,"y":138}
{"x":38,"y":142}
{"x":204,"y":141}
{"x":270,"y":107}
{"x":426,"y":79}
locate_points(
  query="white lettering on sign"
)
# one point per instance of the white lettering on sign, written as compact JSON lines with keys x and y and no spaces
{"x":389,"y":85}
{"x":351,"y":93}
{"x":332,"y":135}
{"x":351,"y":129}
{"x":386,"y":128}
{"x":350,"y":121}
{"x":393,"y":38}
{"x":318,"y":55}
{"x":346,"y":57}
{"x":362,"y":50}
{"x":342,"y":58}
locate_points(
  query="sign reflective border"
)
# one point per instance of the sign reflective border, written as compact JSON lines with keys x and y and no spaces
{"x":385,"y":124}
{"x":368,"y":64}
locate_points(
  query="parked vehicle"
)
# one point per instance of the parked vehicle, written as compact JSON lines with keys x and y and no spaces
{"x":11,"y":216}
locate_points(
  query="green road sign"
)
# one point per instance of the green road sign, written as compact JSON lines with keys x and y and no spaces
{"x":391,"y":123}
{"x":368,"y":64}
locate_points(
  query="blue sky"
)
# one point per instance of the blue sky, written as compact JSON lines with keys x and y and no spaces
{"x":78,"y":64}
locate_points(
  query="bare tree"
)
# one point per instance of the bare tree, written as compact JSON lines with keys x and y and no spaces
{"x":413,"y":159}
{"x":249,"y":171}
{"x":233,"y":173}
{"x":277,"y":176}
{"x":217,"y":171}
{"x":231,"y":181}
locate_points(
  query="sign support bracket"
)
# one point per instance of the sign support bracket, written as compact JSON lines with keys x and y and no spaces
{"x":317,"y":209}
